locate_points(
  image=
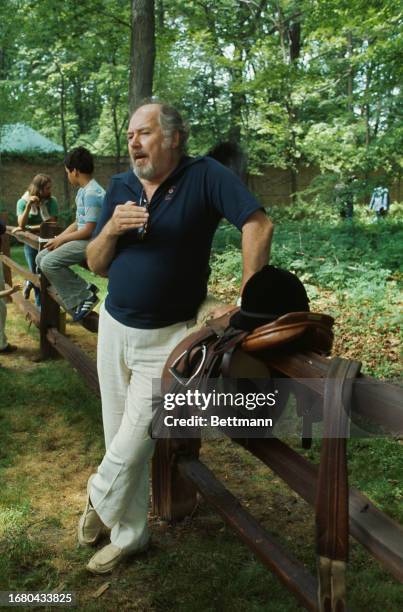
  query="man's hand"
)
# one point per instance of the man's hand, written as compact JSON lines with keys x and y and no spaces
{"x":15,"y":288}
{"x":126,"y":217}
{"x":8,"y":292}
{"x":101,"y":250}
{"x":54,"y":243}
{"x":17,"y":229}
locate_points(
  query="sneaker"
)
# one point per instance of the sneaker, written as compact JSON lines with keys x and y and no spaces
{"x":27,"y":289}
{"x":9,"y":348}
{"x":93,"y":288}
{"x":106,"y":559}
{"x":90,"y":526}
{"x":85,"y":308}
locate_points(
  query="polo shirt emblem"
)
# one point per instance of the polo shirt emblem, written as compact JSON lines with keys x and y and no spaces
{"x":170,"y":192}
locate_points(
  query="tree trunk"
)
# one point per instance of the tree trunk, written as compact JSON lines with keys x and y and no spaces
{"x":234,"y":132}
{"x":142,"y":52}
{"x":78,"y":106}
{"x":294,"y":50}
{"x":161,"y":14}
{"x":237,"y":98}
{"x":368,"y":78}
{"x":293,"y":186}
{"x":116,"y":133}
{"x":350,"y":77}
{"x":294,"y":35}
{"x":64,"y":133}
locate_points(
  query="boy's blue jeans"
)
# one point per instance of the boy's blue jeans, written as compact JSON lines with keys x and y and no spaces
{"x":55,"y":265}
{"x":30,"y":256}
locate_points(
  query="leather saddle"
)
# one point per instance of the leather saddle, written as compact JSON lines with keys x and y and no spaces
{"x":212,"y":350}
{"x":208,"y":352}
{"x":309,"y":330}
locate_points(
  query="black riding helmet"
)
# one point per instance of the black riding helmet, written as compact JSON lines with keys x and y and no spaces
{"x":269,"y":294}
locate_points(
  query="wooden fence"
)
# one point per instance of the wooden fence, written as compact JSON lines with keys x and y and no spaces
{"x":178,"y":474}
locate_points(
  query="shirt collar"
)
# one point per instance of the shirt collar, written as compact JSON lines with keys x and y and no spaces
{"x":135,"y":185}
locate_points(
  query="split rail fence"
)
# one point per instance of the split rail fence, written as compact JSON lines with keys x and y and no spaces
{"x":178,"y":474}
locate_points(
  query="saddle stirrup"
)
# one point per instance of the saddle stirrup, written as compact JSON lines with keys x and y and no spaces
{"x":182,"y":380}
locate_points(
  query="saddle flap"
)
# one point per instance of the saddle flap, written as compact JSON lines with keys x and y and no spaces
{"x":291,"y":327}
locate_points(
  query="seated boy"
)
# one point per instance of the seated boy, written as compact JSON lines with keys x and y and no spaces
{"x":68,"y":248}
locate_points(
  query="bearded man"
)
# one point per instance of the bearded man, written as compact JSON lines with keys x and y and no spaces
{"x":153,"y":241}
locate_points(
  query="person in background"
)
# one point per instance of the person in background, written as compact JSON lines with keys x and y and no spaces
{"x":35,"y":206}
{"x":345,"y":196}
{"x":5,"y":347}
{"x":68,"y":248}
{"x":380,"y":202}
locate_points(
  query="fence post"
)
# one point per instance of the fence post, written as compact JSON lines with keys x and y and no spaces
{"x":173,"y":496}
{"x":5,"y":249}
{"x":50,"y":310}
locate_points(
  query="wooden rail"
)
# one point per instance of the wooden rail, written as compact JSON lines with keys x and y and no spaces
{"x":25,"y":237}
{"x":15,"y":267}
{"x":289,"y":570}
{"x":178,"y":473}
{"x":378,"y":401}
{"x":77,"y":357}
{"x":28,"y":309}
{"x":382,"y":536}
{"x":50,"y":315}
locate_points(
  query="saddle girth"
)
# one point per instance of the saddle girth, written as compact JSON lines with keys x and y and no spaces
{"x":332,"y":514}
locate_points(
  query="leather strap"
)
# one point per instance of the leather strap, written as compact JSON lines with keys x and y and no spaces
{"x":215,"y":347}
{"x":332,"y":493}
{"x":220,"y":354}
{"x":220,"y":324}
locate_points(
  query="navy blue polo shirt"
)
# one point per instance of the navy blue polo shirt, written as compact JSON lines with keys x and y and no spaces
{"x":162,"y":279}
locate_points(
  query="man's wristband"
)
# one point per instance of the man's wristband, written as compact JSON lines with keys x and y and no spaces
{"x":239,"y":301}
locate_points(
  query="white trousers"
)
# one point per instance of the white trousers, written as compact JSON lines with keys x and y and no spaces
{"x":128,"y":360}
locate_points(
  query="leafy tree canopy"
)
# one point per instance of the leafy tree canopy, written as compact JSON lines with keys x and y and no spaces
{"x":295,"y":81}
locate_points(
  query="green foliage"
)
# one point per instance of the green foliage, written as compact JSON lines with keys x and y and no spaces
{"x":293,"y":81}
{"x":57,"y":70}
{"x":227,"y":264}
{"x":359,"y":265}
{"x":325,"y":251}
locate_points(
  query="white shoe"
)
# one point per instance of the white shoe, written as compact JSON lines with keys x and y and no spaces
{"x":106,"y":559}
{"x":90,"y":526}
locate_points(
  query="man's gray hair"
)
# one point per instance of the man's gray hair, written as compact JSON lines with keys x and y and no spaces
{"x":171,"y":121}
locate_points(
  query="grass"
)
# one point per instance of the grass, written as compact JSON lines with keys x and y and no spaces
{"x":51,"y":440}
